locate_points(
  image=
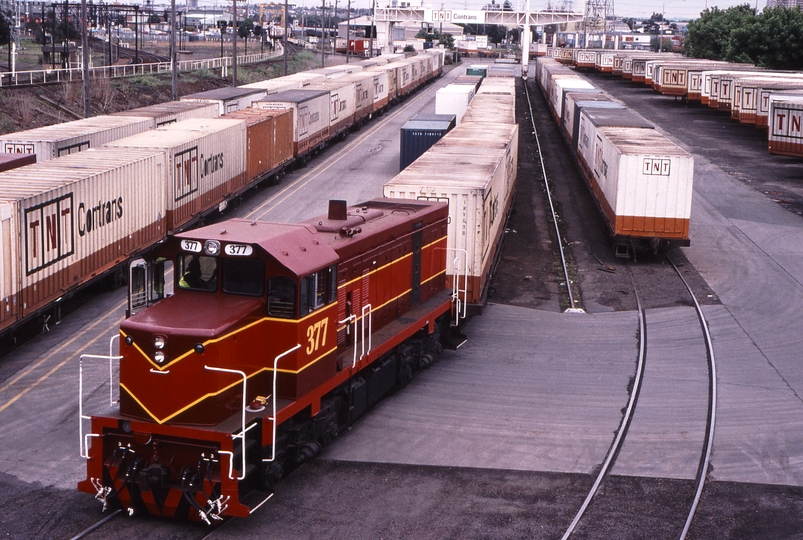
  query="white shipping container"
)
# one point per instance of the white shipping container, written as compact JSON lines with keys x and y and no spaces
{"x":342,"y":106}
{"x":476,"y":175}
{"x":75,"y":218}
{"x":454,"y":99}
{"x":228,"y":99}
{"x":498,"y":85}
{"x":499,"y":108}
{"x":206,"y":164}
{"x":310,"y":116}
{"x":9,"y":258}
{"x":786,"y":124}
{"x":560,"y":86}
{"x":71,"y":137}
{"x":171,"y":112}
{"x":645,"y":181}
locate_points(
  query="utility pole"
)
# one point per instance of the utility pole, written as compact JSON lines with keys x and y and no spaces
{"x":284,"y":42}
{"x":323,"y":7}
{"x":85,"y":58}
{"x":348,"y":32}
{"x":373,"y":23}
{"x":234,"y":48}
{"x":173,"y":64}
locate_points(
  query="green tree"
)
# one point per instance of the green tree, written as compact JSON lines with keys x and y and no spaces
{"x":774,"y":40}
{"x":709,"y":36}
{"x":244,"y":29}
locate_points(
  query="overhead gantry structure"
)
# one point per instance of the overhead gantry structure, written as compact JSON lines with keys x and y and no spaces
{"x":511,"y":19}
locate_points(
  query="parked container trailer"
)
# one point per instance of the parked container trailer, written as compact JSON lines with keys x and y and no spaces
{"x":585,"y":59}
{"x":228,"y":99}
{"x":173,"y":111}
{"x":420,"y":133}
{"x":50,"y":142}
{"x":593,"y":119}
{"x":206,"y":165}
{"x":785,"y":132}
{"x":310,"y":116}
{"x":269,"y":142}
{"x":478,"y":182}
{"x":66,"y":221}
{"x":643,"y":183}
{"x":561,"y":85}
{"x":453,"y":99}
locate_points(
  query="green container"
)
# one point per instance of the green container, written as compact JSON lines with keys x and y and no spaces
{"x":477,"y":71}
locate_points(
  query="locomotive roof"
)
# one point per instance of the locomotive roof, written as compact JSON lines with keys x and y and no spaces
{"x":298,"y":247}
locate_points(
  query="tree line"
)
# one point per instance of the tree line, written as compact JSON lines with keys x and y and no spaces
{"x":772,"y":39}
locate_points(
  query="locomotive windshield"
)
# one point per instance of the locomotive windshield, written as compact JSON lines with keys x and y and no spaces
{"x":198,"y":273}
{"x":244,"y":276}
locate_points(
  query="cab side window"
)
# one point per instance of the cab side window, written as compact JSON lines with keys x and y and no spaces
{"x":282,"y":297}
{"x":318,"y":289}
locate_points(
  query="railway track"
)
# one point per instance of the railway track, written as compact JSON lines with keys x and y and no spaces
{"x":655,"y":430}
{"x":678,"y":339}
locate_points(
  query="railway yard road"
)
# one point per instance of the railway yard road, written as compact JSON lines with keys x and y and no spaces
{"x":503,"y":437}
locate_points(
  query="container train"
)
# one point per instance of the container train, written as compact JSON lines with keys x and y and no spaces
{"x":767,"y":99}
{"x":642,"y":182}
{"x":251,"y":345}
{"x":67,"y":222}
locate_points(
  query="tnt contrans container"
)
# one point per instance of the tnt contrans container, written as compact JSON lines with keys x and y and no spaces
{"x":310,"y":116}
{"x":269,"y":141}
{"x":69,"y":220}
{"x":206,"y":165}
{"x":420,"y":133}
{"x":58,"y":140}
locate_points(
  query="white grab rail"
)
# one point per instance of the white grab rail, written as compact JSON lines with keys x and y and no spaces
{"x":273,"y":397}
{"x":352,"y":319}
{"x":240,"y":435}
{"x":83,"y":444}
{"x":366,"y":307}
{"x":456,"y":290}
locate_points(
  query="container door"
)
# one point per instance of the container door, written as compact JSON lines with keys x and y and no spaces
{"x":415,"y":294}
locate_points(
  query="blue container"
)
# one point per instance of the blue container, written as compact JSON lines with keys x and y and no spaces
{"x":420,"y":133}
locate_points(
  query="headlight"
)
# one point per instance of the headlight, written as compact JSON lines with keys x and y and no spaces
{"x":212,"y":248}
{"x":159,"y":343}
{"x":159,"y":356}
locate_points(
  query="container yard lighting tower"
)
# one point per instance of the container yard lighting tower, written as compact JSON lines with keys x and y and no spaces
{"x":595,"y":22}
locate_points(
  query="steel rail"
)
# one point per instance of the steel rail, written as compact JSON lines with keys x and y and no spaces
{"x":549,"y":197}
{"x":705,"y":458}
{"x":616,"y":446}
{"x":97,"y":525}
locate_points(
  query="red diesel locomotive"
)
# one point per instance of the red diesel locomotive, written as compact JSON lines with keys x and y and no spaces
{"x":275,"y":338}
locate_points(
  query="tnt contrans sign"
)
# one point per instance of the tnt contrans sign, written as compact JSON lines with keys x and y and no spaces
{"x":454,"y":16}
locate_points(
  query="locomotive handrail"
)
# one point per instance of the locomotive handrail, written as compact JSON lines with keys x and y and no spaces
{"x":111,"y":371}
{"x":456,"y":290}
{"x":83,"y":445}
{"x":352,"y":319}
{"x":240,"y":435}
{"x":370,"y":327}
{"x":273,"y":399}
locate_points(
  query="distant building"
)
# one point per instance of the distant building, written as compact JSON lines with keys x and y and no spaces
{"x":785,"y":3}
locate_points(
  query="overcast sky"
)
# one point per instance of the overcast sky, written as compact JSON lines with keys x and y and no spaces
{"x":672,"y":9}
